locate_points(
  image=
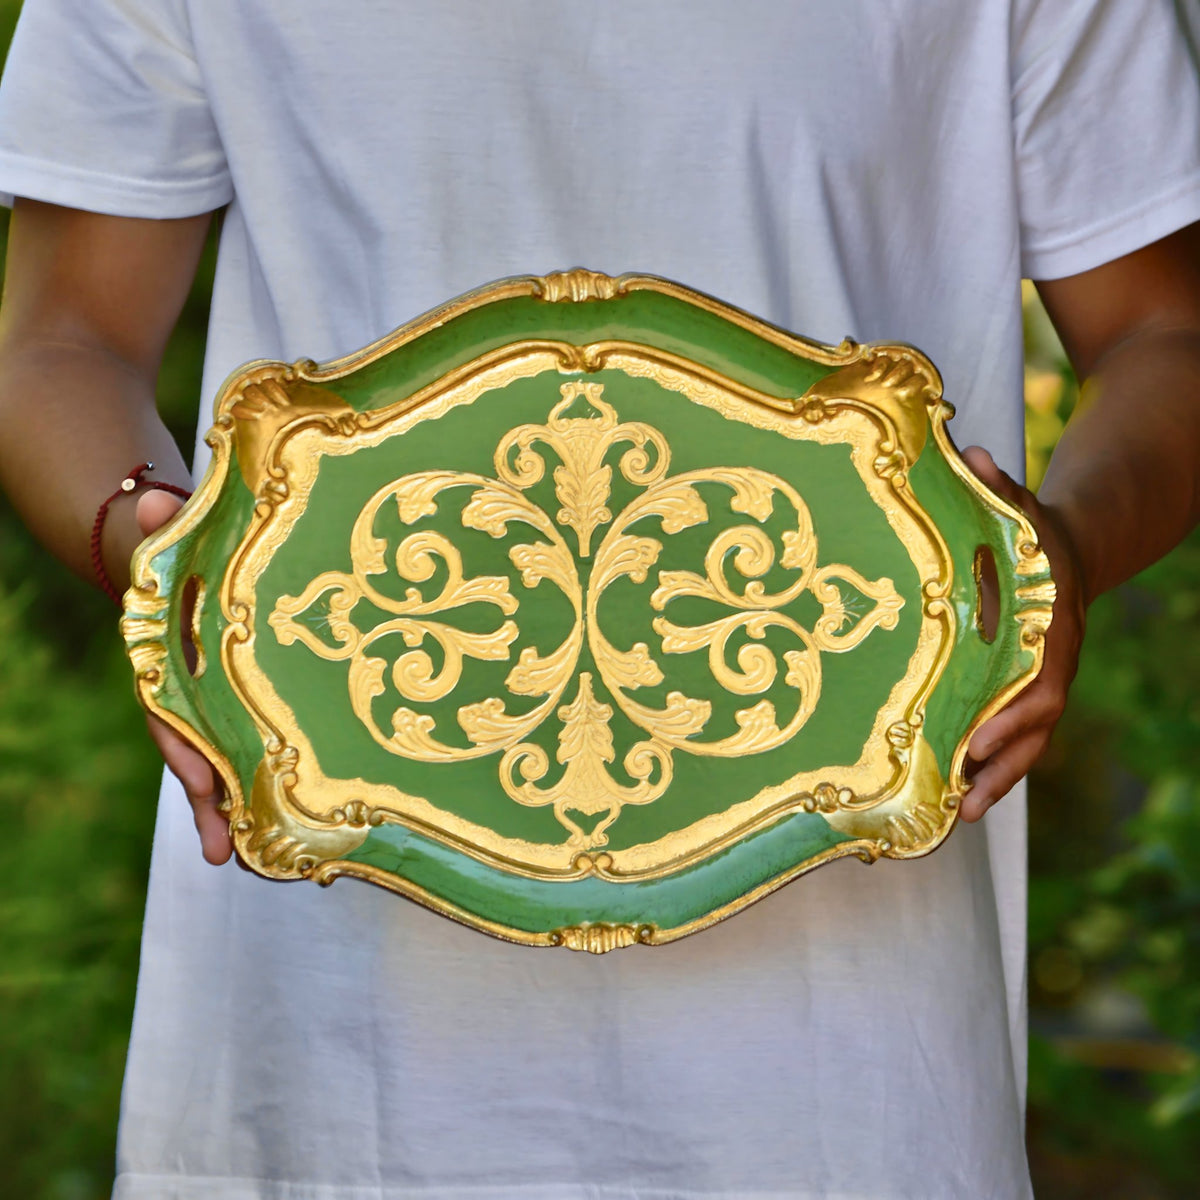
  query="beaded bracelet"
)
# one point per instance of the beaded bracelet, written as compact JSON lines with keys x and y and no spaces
{"x":130,"y":483}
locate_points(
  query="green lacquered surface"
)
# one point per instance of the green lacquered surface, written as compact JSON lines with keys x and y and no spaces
{"x":978,"y":670}
{"x":849,"y":529}
{"x":207,"y":703}
{"x":643,"y":317}
{"x":537,"y":905}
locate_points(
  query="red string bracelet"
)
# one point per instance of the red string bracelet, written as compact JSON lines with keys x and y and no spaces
{"x":130,"y":483}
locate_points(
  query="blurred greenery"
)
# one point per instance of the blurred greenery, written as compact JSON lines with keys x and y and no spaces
{"x":1114,"y":921}
{"x":78,"y":781}
{"x":1115,"y":858}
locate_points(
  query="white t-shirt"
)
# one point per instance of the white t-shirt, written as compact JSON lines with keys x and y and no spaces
{"x":837,"y":166}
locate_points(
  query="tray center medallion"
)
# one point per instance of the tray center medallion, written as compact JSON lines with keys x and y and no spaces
{"x":736,"y":615}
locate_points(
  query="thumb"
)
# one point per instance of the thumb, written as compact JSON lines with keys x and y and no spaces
{"x":155,"y":509}
{"x":1003,"y":484}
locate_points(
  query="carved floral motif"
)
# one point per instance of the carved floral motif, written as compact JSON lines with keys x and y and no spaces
{"x":582,"y":551}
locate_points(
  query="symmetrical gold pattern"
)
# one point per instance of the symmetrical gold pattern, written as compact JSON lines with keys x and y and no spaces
{"x":297,"y":448}
{"x":583,"y":481}
{"x":275,"y":422}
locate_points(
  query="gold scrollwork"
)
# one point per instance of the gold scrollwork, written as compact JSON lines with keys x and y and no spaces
{"x":492,"y":507}
{"x":586,"y":787}
{"x":271,"y":834}
{"x":583,"y":481}
{"x":893,"y":380}
{"x":581,"y":430}
{"x":601,"y":937}
{"x":881,"y":401}
{"x":144,"y":628}
{"x":577,"y":285}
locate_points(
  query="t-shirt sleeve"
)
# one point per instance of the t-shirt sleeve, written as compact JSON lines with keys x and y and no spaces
{"x":1106,"y":112}
{"x":102,"y":107}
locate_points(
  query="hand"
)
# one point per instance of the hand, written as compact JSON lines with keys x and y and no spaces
{"x":200,"y":781}
{"x":1008,"y":744}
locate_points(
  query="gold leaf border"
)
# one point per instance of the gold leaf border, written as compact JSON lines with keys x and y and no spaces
{"x":146,"y":606}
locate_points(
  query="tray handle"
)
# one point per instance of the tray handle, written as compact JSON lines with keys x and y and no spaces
{"x":165,"y":609}
{"x":1007,"y":636}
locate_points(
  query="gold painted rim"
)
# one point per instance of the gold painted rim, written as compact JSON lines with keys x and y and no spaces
{"x":144,"y":625}
{"x":875,"y":777}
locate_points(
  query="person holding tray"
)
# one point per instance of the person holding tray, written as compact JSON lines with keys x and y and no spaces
{"x":883,"y":172}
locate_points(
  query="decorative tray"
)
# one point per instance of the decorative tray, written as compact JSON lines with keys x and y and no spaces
{"x":585,"y":610}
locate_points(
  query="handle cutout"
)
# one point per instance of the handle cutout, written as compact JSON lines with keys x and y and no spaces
{"x":191,"y":606}
{"x":987,"y":594}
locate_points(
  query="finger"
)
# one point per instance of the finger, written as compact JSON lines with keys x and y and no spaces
{"x":155,"y":509}
{"x":1003,"y":484}
{"x":1041,"y":704}
{"x":202,"y":787}
{"x":190,"y":766}
{"x":211,"y":824}
{"x":982,"y":463}
{"x":200,"y":782}
{"x":1002,"y":772}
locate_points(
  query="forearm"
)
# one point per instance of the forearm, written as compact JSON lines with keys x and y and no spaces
{"x":1123,"y":479}
{"x":89,"y":302}
{"x":76,"y":420}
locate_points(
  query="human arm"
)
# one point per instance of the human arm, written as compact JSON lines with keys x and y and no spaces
{"x":89,"y":303}
{"x":1121,"y":489}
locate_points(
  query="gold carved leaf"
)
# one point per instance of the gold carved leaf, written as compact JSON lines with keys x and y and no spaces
{"x":682,"y":718}
{"x":752,"y":573}
{"x":633,"y":668}
{"x":413,"y":673}
{"x":577,"y":285}
{"x":624,"y":556}
{"x":416,"y":559}
{"x":545,"y":560}
{"x":675,"y":501}
{"x":583,"y":480}
{"x":492,"y":728}
{"x":538,"y":675}
{"x":417,"y":495}
{"x":273,"y":834}
{"x":600,"y":937}
{"x":901,"y":384}
{"x":586,"y":786}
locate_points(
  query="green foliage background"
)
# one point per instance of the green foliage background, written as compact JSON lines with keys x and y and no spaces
{"x":1115,"y":855}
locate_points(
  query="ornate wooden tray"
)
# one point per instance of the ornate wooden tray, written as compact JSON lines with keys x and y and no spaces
{"x":585,"y":611}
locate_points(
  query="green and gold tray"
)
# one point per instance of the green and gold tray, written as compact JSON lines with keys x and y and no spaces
{"x":585,"y":610}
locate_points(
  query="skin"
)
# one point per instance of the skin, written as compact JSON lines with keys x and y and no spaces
{"x":90,"y":302}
